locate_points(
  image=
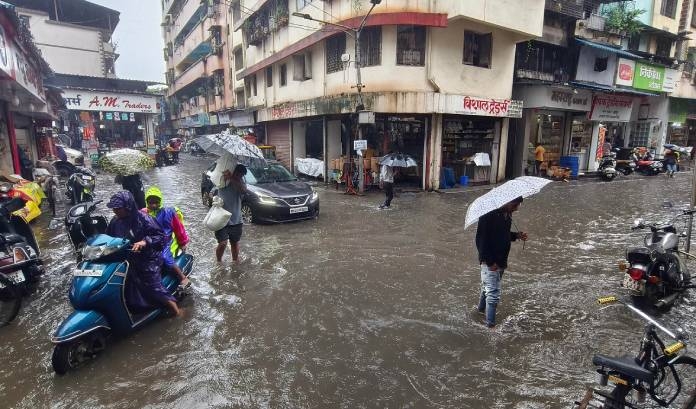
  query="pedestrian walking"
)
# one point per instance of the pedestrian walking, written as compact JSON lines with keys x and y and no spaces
{"x":493,"y":239}
{"x":386,"y":182}
{"x":670,"y":162}
{"x":231,"y":191}
{"x":133,"y":184}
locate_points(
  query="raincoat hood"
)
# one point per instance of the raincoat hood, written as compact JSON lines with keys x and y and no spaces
{"x":155,"y":191}
{"x":124,"y":200}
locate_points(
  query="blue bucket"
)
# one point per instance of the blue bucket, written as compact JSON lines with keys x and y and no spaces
{"x":463,"y":180}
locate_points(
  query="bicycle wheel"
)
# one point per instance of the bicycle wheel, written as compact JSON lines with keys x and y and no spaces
{"x":667,"y":387}
{"x":10,"y":300}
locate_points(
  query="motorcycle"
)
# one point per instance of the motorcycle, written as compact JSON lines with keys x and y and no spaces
{"x":165,"y":158}
{"x":101,"y":310}
{"x":20,"y":260}
{"x":628,"y":165}
{"x":49,"y":184}
{"x":656,"y":275}
{"x":80,"y":185}
{"x":607,"y":167}
{"x":81,"y":223}
{"x":649,"y":166}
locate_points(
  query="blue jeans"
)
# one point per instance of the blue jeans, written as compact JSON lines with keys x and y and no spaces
{"x":490,"y":292}
{"x":671,"y":167}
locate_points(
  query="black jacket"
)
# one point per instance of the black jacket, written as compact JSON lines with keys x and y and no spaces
{"x":493,"y":238}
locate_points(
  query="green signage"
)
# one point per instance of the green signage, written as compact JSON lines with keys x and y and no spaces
{"x":648,"y":77}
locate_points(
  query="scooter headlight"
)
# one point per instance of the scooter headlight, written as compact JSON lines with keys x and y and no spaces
{"x":97,"y":252}
{"x":20,"y":255}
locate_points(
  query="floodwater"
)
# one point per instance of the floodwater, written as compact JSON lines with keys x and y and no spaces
{"x":360,"y":308}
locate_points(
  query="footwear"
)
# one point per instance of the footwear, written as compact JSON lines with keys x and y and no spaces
{"x":184,"y":287}
{"x":383,"y":206}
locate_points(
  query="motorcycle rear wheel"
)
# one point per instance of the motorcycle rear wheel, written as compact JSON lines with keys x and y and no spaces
{"x":10,"y":301}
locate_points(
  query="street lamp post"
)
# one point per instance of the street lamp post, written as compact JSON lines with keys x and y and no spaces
{"x":355,"y":33}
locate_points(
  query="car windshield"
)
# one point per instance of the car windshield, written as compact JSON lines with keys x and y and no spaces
{"x":271,"y":173}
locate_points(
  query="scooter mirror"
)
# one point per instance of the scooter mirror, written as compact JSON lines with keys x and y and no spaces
{"x":638,"y":223}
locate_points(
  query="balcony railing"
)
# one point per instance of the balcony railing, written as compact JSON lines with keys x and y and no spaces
{"x":572,"y":8}
{"x":541,"y":76}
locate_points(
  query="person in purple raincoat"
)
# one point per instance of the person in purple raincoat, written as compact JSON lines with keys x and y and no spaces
{"x":144,"y":288}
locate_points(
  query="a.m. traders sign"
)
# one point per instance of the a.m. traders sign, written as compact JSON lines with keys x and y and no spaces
{"x":107,"y":101}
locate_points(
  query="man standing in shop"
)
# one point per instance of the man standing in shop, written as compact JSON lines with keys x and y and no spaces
{"x":538,"y":158}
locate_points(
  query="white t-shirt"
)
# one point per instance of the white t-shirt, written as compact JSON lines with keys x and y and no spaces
{"x":386,"y":174}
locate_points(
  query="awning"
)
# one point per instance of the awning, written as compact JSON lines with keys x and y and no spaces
{"x":608,"y":88}
{"x":607,"y":48}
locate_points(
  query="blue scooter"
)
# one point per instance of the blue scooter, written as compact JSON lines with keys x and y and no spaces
{"x":97,"y":294}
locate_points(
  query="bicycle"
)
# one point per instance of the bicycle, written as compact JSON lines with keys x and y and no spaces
{"x":654,"y":372}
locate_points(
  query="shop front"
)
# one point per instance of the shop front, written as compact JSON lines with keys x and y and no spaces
{"x":109,"y":120}
{"x":611,"y":115}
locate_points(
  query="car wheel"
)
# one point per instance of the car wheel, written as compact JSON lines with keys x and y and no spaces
{"x":247,"y":214}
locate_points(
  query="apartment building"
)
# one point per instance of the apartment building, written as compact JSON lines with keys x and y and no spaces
{"x":437,"y":79}
{"x":198,"y":39}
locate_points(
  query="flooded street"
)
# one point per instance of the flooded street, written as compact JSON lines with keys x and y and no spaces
{"x":360,"y":308}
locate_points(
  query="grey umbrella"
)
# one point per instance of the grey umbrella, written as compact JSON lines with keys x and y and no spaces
{"x":398,"y":160}
{"x":226,"y":144}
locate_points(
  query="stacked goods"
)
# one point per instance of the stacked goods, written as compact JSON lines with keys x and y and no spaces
{"x":126,"y":162}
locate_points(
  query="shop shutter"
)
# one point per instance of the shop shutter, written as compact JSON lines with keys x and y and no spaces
{"x":278,"y":134}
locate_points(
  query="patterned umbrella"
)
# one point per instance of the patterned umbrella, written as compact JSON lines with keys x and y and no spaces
{"x":238,"y":148}
{"x":398,"y":160}
{"x":126,"y":162}
{"x":522,"y":186}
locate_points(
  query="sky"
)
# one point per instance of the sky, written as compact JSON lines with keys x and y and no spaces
{"x":139,"y":39}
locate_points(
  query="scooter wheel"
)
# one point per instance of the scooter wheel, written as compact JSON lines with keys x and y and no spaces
{"x":70,"y":355}
{"x":10,"y":301}
{"x":64,"y":358}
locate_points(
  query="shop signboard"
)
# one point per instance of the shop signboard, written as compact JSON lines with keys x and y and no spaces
{"x":108,"y":101}
{"x":671,"y":80}
{"x":466,"y":105}
{"x":625,"y":72}
{"x":15,"y":64}
{"x":611,"y":108}
{"x":648,"y":77}
{"x":554,"y":98}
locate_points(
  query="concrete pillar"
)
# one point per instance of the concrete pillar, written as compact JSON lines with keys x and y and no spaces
{"x":435,"y":151}
{"x":502,"y":128}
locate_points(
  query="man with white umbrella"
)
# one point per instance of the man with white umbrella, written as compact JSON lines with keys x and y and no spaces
{"x":231,"y":191}
{"x":493,"y":239}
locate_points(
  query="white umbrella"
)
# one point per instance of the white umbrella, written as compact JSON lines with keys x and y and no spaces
{"x":523,"y":186}
{"x":398,"y":160}
{"x":235,"y":146}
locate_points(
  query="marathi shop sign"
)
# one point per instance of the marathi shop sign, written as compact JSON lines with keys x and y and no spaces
{"x":611,"y":108}
{"x":467,"y":105}
{"x":648,"y":77}
{"x":109,"y":101}
{"x":17,"y":65}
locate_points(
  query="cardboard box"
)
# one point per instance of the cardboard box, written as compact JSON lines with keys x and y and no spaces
{"x":367,"y":164}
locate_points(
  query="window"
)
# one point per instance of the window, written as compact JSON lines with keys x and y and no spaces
{"x":600,"y":64}
{"x":641,"y":134}
{"x":238,"y":59}
{"x":283,"y":75}
{"x":236,"y":12}
{"x":302,"y":67}
{"x":536,"y":60}
{"x":335,"y":48}
{"x":669,"y":8}
{"x":239,"y":96}
{"x":254,"y":89}
{"x":269,"y":76}
{"x":477,"y":49}
{"x":410,"y":45}
{"x":301,"y":3}
{"x":634,"y":42}
{"x":664,"y":47}
{"x":371,"y":46}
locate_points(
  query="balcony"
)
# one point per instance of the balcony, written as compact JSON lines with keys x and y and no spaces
{"x":190,"y":16}
{"x":594,"y":22}
{"x":193,"y":48}
{"x":570,"y":8}
{"x":193,"y":73}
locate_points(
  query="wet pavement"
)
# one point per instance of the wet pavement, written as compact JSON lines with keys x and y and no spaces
{"x":360,"y":308}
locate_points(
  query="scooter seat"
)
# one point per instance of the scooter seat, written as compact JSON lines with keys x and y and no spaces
{"x":626,"y":365}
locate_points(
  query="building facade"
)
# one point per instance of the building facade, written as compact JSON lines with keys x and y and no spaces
{"x":198,"y":45}
{"x":437,"y":76}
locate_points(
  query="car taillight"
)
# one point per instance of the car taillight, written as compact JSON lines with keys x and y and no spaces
{"x":636,"y":273}
{"x":653,"y":279}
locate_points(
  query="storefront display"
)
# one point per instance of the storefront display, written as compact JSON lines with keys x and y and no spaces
{"x":581,"y":141}
{"x":548,"y":133}
{"x":464,"y":138}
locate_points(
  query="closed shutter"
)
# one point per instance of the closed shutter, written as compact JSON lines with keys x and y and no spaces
{"x":278,"y":134}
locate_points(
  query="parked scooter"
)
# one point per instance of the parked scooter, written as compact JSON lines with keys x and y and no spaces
{"x":656,"y":274}
{"x":20,"y":261}
{"x":628,"y":165}
{"x":607,"y":167}
{"x":97,"y":294}
{"x":649,"y":166}
{"x":80,"y":185}
{"x":81,"y":223}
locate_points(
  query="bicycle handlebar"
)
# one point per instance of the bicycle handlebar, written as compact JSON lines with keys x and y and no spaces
{"x":678,"y":335}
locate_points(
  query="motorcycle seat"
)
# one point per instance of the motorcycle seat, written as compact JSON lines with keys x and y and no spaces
{"x":626,"y":365}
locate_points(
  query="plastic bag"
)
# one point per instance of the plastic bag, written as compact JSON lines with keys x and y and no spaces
{"x":216,"y":218}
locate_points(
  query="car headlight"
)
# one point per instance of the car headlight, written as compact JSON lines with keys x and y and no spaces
{"x":315,"y":195}
{"x":265,"y":199}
